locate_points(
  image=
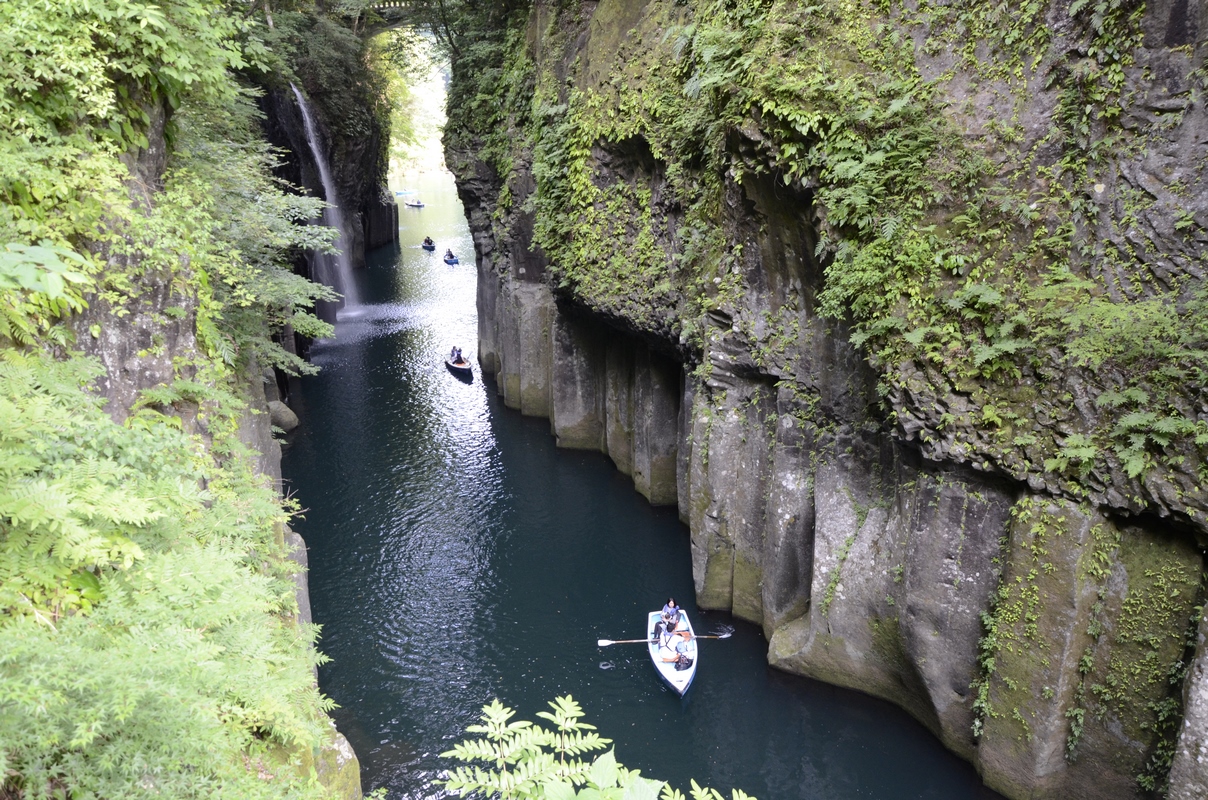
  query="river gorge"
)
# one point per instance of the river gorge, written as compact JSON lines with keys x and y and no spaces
{"x":456,"y":555}
{"x":875,"y":331}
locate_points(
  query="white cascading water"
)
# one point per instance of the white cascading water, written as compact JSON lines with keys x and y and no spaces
{"x":332,"y":216}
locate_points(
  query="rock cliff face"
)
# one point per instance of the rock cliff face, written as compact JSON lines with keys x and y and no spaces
{"x":371,"y":217}
{"x":897,"y":523}
{"x":122,"y":348}
{"x":143,"y":345}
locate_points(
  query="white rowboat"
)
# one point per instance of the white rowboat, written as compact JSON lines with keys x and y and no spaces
{"x":661,"y":649}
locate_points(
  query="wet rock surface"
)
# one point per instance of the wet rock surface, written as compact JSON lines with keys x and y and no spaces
{"x":1040,"y":622}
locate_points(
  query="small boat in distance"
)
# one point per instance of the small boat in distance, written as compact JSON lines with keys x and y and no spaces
{"x":413,"y":203}
{"x":428,"y":244}
{"x":662,"y":648}
{"x":460,"y":368}
{"x":450,"y":258}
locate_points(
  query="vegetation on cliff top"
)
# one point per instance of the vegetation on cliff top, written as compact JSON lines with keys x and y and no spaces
{"x":972,"y":249}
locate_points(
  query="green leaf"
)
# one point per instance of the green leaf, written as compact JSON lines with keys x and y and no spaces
{"x":642,"y":789}
{"x":603,"y":773}
{"x":558,"y":790}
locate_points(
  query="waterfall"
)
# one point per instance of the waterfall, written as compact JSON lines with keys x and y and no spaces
{"x":341,"y":276}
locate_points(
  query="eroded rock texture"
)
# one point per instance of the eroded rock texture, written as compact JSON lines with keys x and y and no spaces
{"x":900,"y":515}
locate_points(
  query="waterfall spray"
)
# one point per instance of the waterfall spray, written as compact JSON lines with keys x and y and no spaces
{"x":341,"y":276}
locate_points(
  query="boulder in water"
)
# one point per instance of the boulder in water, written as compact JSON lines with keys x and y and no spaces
{"x":282,"y":416}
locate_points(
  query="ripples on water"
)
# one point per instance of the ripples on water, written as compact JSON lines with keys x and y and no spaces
{"x":456,"y":556}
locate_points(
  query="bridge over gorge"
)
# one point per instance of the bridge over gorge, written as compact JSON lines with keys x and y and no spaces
{"x":385,"y":15}
{"x":424,"y":14}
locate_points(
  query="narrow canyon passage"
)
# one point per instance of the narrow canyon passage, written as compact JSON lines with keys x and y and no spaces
{"x":456,"y":556}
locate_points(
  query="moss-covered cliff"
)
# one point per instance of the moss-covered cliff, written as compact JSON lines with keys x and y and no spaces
{"x":913,"y":306}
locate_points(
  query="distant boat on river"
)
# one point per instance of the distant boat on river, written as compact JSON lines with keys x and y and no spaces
{"x":428,"y":244}
{"x":413,"y":203}
{"x":460,"y":368}
{"x":450,"y":258}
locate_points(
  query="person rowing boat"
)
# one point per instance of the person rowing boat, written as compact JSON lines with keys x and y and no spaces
{"x":672,"y":646}
{"x":673,"y":652}
{"x":679,"y":652}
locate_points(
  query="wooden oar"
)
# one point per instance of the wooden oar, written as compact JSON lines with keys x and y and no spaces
{"x":606,"y":642}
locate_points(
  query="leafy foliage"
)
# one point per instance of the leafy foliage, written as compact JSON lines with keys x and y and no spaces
{"x":147,"y":637}
{"x":96,"y":81}
{"x":242,"y":227}
{"x":536,"y":763}
{"x":38,"y":285}
{"x":144,"y":648}
{"x":974,"y":271}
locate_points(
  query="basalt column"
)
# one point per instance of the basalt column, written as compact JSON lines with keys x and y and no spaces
{"x":601,"y":389}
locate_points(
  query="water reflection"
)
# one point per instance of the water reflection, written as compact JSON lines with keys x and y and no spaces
{"x":456,"y":556}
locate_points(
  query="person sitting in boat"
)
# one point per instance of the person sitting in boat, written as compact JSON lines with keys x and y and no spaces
{"x":449,"y":253}
{"x":428,"y":241}
{"x":682,"y":660}
{"x":678,"y":653}
{"x":455,"y":356}
{"x":672,"y":616}
{"x":671,"y":621}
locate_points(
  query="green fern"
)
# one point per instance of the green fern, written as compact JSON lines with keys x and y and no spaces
{"x":527,"y":761}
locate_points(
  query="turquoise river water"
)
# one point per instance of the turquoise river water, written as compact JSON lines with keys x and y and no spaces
{"x":457,"y":556}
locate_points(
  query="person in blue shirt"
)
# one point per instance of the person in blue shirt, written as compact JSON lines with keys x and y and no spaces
{"x":671,"y":620}
{"x":678,"y":653}
{"x":671,"y":614}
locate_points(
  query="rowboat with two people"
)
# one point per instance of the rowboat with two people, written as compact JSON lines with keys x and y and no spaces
{"x":673,"y":652}
{"x":428,"y":244}
{"x":672,"y":645}
{"x":458,"y":364}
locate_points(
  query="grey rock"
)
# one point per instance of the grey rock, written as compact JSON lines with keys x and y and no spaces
{"x":870,"y":534}
{"x":282,"y":416}
{"x":1189,"y":773}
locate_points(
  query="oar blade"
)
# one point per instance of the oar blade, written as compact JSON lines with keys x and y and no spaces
{"x":603,"y":642}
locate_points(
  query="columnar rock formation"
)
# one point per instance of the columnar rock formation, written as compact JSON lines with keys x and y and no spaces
{"x":1043,"y":621}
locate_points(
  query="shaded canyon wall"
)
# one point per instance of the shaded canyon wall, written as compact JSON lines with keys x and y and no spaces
{"x":148,"y":340}
{"x":1052,"y":636}
{"x":143,"y":348}
{"x":867,"y":565}
{"x":370,"y":214}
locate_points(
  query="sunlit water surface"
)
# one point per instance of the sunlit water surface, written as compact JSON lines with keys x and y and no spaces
{"x":456,"y":556}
